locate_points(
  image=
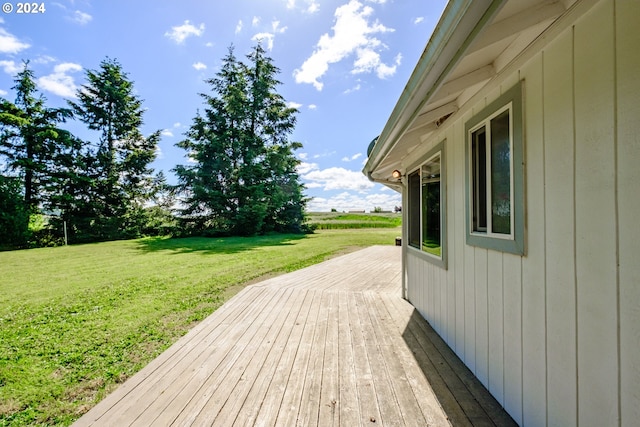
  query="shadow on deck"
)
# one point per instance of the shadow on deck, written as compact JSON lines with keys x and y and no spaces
{"x":331,"y":344}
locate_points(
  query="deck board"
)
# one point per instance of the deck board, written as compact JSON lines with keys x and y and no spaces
{"x":333,"y":344}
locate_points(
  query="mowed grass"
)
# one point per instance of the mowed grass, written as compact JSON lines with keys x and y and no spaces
{"x":77,"y":321}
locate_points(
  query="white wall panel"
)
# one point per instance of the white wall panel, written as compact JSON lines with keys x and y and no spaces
{"x":555,"y":334}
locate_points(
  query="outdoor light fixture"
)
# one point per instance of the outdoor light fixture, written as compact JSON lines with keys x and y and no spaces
{"x":396,"y":174}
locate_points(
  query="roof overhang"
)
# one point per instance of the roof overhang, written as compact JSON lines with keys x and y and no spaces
{"x":473,"y":41}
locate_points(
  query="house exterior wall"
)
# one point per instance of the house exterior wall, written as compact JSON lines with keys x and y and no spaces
{"x":555,"y":334}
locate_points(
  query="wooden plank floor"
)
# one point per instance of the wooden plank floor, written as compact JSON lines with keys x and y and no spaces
{"x":332,"y":344}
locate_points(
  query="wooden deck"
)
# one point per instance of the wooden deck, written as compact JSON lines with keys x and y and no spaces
{"x":332,"y":344}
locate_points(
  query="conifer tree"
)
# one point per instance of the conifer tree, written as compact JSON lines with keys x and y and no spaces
{"x":31,"y":141}
{"x":120,"y":178}
{"x":242,"y":179}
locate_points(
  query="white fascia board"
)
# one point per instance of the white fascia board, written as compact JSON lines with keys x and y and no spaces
{"x":461,"y":21}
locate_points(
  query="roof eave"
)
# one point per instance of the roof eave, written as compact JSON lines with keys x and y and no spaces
{"x":461,"y":21}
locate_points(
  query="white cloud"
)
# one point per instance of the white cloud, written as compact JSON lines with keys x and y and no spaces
{"x":199,"y":66}
{"x":352,"y":34}
{"x":303,"y":156}
{"x":292,"y":104}
{"x":208,"y":44}
{"x":275,"y":25}
{"x":180,"y":33}
{"x":44,"y":59}
{"x":313,"y":107}
{"x":239,"y":26}
{"x":335,"y":178}
{"x":265,"y":38}
{"x":10,"y":67}
{"x":60,"y":82}
{"x":81,"y":18}
{"x":309,"y":6}
{"x":159,"y":153}
{"x":352,"y":158}
{"x":177,"y":124}
{"x":3,"y":92}
{"x":325,"y":154}
{"x":255,"y":21}
{"x":167,"y":133}
{"x":369,"y":61}
{"x":418,"y":20}
{"x":353,"y":89}
{"x":10,"y":43}
{"x":305,"y":167}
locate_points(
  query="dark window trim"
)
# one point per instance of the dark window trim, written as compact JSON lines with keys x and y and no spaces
{"x":417,"y":251}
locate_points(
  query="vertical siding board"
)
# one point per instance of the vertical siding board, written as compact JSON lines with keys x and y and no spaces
{"x":560,"y":238}
{"x":512,"y":276}
{"x":458,"y":262}
{"x":469,"y":308}
{"x":496,"y":344}
{"x":596,"y":218}
{"x":468,"y":258}
{"x":482,"y":317}
{"x":533,"y":286}
{"x":425,"y":301}
{"x":452,"y":243}
{"x":423,"y":290}
{"x":433,"y":298}
{"x":444,"y":305}
{"x":628,"y":88}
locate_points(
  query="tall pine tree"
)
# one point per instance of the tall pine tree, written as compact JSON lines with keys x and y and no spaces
{"x":31,"y":140}
{"x":243,"y":179}
{"x":118,"y":168}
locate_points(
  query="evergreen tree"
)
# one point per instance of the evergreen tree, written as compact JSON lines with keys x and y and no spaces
{"x":243,"y":178}
{"x":272,"y":123}
{"x":31,"y":141}
{"x":212,"y":145}
{"x":118,"y":171}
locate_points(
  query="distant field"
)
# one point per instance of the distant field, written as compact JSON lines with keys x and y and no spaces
{"x":338,"y":220}
{"x":77,"y":321}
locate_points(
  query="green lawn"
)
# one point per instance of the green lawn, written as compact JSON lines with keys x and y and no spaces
{"x":76,"y":321}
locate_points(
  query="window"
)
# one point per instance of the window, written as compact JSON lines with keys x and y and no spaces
{"x":426,"y":200}
{"x":495,"y":200}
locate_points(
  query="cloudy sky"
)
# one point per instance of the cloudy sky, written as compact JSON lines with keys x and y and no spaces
{"x":343,"y":66}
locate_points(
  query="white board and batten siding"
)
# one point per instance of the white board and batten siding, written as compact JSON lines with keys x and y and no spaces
{"x":555,"y":334}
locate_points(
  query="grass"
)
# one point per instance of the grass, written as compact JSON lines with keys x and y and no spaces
{"x":338,"y":221}
{"x":77,"y":321}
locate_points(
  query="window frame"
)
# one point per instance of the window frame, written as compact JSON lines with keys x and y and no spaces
{"x":441,"y":261}
{"x":511,"y":101}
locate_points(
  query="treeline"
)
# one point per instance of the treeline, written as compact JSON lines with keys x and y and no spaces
{"x":241,"y":176}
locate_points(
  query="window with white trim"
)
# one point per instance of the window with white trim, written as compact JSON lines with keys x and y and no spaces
{"x":495,"y":199}
{"x":427,"y":203}
{"x":491,"y":174}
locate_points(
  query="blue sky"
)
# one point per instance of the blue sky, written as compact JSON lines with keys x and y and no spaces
{"x":343,"y":65}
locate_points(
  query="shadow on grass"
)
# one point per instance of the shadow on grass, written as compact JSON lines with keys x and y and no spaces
{"x":215,"y":245}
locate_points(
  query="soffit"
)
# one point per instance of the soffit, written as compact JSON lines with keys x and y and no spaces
{"x":514,"y":27}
